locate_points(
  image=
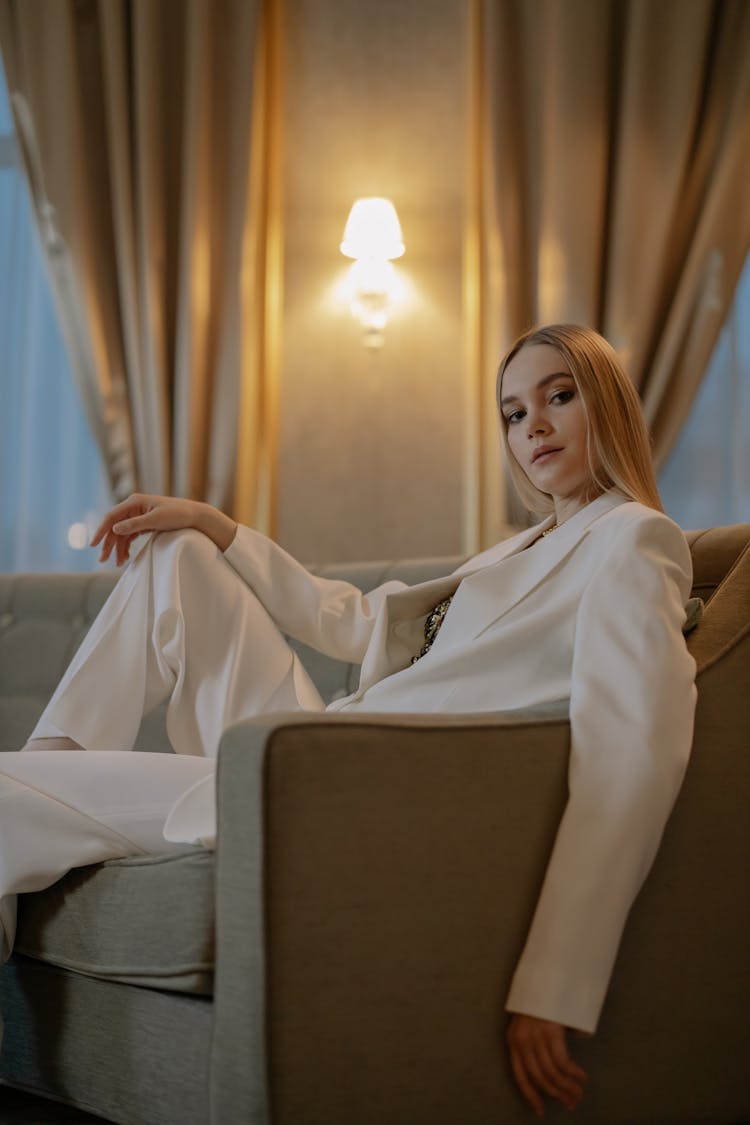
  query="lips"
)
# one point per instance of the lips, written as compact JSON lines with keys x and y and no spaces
{"x":544,"y":452}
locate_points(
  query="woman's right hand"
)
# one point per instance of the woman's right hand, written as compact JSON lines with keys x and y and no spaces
{"x":541,"y":1063}
{"x":142,"y":513}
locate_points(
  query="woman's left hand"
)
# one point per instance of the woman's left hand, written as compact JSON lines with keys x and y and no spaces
{"x":541,"y":1063}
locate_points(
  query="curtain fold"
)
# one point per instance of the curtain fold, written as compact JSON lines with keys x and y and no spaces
{"x":613,"y":186}
{"x":146,"y":159}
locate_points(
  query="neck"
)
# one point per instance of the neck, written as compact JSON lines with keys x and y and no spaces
{"x":567,"y":506}
{"x":564,"y":509}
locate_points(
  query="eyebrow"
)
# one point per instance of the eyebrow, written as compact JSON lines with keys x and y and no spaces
{"x":542,"y":383}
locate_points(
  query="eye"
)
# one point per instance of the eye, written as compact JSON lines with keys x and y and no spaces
{"x":515,"y":416}
{"x":561,"y":397}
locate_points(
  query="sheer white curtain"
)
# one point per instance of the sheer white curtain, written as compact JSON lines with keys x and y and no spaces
{"x":51,"y":478}
{"x":706,"y":480}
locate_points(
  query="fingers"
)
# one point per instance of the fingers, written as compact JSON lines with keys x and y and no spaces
{"x":541,"y":1063}
{"x":135,"y":505}
{"x":122,"y":524}
{"x":136,"y":516}
{"x":119,"y":544}
{"x":563,"y":1084}
{"x":123,"y":549}
{"x":539,"y":1077}
{"x":524,"y":1083}
{"x":558,"y":1047}
{"x":135,"y":525}
{"x":107,"y":546}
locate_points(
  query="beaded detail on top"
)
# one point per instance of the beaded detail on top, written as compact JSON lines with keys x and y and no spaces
{"x":432,"y":625}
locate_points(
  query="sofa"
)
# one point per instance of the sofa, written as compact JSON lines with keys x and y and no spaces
{"x":343,"y":957}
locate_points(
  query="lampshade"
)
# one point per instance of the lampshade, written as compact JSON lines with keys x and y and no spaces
{"x":373,"y":230}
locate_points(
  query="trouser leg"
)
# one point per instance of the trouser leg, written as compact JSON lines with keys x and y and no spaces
{"x":63,"y":809}
{"x":180,"y":625}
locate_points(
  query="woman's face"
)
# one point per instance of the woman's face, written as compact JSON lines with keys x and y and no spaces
{"x":546,"y":425}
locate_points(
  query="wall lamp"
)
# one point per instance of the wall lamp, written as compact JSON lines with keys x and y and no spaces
{"x":372,"y":237}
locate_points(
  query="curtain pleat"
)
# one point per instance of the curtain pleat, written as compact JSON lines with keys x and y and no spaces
{"x":614,"y":137}
{"x":141,"y":146}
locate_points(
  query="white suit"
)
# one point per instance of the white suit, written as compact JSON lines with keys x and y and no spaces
{"x":591,"y":613}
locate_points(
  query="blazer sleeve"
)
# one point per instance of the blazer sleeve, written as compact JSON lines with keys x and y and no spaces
{"x":631,"y":714}
{"x":334,"y":617}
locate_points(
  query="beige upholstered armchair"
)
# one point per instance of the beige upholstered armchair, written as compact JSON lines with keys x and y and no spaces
{"x":403,"y":858}
{"x":345,"y":959}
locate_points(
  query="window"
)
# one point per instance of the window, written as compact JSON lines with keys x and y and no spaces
{"x":52,"y":485}
{"x":706,"y":481}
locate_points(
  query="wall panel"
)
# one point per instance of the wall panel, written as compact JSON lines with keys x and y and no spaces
{"x":370,"y":444}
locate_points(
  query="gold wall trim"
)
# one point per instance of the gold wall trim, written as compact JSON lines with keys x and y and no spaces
{"x":472,"y":530}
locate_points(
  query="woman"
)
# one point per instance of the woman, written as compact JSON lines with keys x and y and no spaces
{"x":587,"y":606}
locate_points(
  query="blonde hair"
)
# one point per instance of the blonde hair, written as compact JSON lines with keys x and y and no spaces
{"x":618,"y":444}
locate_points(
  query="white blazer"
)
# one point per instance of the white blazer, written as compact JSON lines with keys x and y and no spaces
{"x":593,"y":614}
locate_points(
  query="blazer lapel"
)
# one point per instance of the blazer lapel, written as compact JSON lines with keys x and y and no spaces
{"x":491,"y":590}
{"x":399,"y":631}
{"x":483,"y":593}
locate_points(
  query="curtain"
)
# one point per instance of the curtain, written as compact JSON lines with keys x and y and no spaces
{"x":611,"y":187}
{"x":52,"y":488}
{"x":150,"y":155}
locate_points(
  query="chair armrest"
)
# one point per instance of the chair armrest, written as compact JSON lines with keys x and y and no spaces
{"x":398,"y":860}
{"x":376,"y":877}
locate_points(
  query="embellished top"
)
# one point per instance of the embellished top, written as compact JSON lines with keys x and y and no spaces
{"x":432,"y":625}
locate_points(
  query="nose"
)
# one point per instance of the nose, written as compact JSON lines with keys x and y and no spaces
{"x":536,"y":423}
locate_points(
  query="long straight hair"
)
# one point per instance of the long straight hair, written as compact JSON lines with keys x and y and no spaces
{"x":617,"y":441}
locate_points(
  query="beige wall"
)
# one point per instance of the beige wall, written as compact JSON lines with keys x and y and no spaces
{"x":371,"y":445}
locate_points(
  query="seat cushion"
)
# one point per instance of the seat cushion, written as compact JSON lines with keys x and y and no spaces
{"x":144,"y":920}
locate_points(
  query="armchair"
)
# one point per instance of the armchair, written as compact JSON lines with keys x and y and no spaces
{"x":373,"y":883}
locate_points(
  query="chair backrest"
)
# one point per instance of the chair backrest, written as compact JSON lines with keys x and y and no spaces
{"x":721,"y":568}
{"x":715,"y":551}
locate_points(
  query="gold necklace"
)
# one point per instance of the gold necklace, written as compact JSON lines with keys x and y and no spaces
{"x":548,"y":530}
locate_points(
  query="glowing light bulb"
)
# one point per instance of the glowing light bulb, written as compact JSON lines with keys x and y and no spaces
{"x":372,"y":237}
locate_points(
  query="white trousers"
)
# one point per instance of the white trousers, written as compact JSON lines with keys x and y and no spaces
{"x":181,"y":626}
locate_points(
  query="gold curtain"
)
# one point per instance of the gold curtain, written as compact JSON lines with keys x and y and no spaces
{"x":147,"y":129}
{"x":610,"y":188}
